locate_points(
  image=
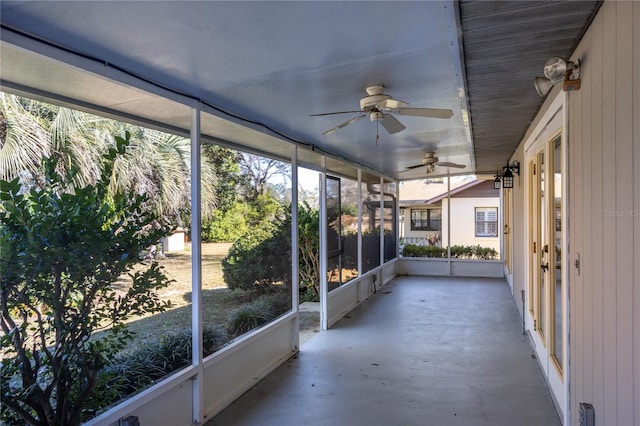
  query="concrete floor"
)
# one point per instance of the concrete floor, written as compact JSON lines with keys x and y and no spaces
{"x":422,"y":351}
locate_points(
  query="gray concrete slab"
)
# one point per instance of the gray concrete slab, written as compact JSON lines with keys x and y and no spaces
{"x":422,"y":351}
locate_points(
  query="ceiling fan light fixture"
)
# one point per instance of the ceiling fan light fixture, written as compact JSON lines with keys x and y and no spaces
{"x":381,"y":108}
{"x":376,"y":116}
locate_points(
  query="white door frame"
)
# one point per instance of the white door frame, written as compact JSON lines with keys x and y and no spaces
{"x":553,"y":121}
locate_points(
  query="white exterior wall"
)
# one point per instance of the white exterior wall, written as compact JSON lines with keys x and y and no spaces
{"x":603,"y":219}
{"x":604,"y":189}
{"x":463,"y":231}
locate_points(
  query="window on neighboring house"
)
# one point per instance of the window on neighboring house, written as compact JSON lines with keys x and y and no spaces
{"x":425,"y":219}
{"x":486,"y":221}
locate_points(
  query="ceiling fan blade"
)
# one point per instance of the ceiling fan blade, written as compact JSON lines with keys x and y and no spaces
{"x":391,"y":104}
{"x":415,"y":167}
{"x":425,"y":112}
{"x":391,"y":124}
{"x":346,"y":123}
{"x":334,"y":113}
{"x":447,"y":164}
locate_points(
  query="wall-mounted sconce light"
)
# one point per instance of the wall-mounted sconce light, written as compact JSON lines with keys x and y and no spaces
{"x":497,"y":184}
{"x":507,"y":179}
{"x":558,"y":70}
{"x":507,"y":176}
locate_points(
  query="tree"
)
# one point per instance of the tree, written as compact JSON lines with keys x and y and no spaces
{"x":226,"y":166}
{"x":260,"y":171}
{"x":63,"y":248}
{"x":309,"y":251}
{"x":156,"y":164}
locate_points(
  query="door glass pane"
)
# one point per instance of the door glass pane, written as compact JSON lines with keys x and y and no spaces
{"x":556,"y":270}
{"x":533,"y":257}
{"x":544,"y":248}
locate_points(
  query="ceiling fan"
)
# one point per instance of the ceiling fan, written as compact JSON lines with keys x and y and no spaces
{"x":380,"y":107}
{"x":430,"y":161}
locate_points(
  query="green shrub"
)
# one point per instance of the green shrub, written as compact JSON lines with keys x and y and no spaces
{"x":258,"y":312}
{"x":64,"y":248}
{"x":309,"y":252}
{"x":485,"y":253}
{"x":412,"y":250}
{"x":228,"y":225}
{"x":457,"y":252}
{"x":136,"y":370}
{"x":461,"y":252}
{"x":261,"y":257}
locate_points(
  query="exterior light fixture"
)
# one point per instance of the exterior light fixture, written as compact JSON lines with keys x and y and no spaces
{"x":497,"y":184}
{"x":507,"y":176}
{"x":507,"y":179}
{"x":558,"y":70}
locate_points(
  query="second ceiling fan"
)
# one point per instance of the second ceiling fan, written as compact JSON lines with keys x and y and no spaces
{"x":430,"y":161}
{"x":380,"y":107}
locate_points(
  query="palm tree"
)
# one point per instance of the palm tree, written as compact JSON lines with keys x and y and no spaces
{"x":156,"y":163}
{"x":24,"y":140}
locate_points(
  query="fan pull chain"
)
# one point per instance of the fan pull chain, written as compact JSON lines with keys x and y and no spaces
{"x":377,"y":133}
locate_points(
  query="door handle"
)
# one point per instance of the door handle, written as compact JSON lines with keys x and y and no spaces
{"x":545,"y":267}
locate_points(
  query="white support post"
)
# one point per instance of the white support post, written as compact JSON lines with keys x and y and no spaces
{"x":449,"y":221}
{"x":324,"y":285}
{"x":295,"y":278}
{"x":196,"y":268}
{"x":381,"y":192}
{"x":359,"y":222}
{"x":397,"y":217}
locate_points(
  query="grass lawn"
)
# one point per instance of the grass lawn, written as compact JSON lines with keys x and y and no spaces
{"x":218,"y":300}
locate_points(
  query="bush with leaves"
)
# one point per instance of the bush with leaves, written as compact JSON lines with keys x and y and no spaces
{"x":226,"y":225}
{"x":309,"y":252}
{"x":261,"y":257}
{"x":457,"y":252}
{"x":63,"y":248}
{"x":413,"y":250}
{"x":132,"y":371}
{"x":258,"y":312}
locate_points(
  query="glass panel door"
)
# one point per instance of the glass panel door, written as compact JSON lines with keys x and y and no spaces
{"x":557,"y":308}
{"x":547,"y":284}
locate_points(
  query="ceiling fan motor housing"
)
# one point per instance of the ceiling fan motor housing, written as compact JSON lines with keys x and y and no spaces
{"x":429,"y":158}
{"x":376,"y":115}
{"x":369,"y":102}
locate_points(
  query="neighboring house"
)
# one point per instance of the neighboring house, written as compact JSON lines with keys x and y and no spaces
{"x":475,"y":219}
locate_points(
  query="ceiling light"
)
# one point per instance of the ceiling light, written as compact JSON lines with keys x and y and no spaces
{"x":558,"y":70}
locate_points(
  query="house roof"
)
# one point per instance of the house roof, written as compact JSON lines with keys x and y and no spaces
{"x":415,"y":193}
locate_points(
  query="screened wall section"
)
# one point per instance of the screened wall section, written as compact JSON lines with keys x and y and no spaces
{"x":455,"y":218}
{"x":245,"y":242}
